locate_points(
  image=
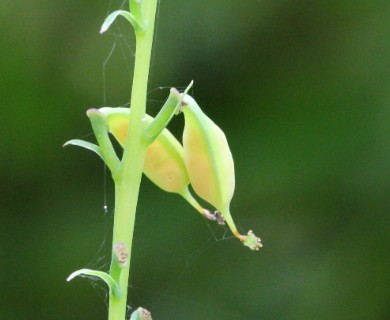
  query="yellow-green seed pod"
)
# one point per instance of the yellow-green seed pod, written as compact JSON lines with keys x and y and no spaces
{"x":210,"y":164}
{"x":164,"y":162}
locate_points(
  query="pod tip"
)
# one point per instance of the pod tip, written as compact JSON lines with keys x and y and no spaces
{"x":251,"y":241}
{"x":216,"y":216}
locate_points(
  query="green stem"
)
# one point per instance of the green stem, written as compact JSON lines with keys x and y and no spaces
{"x":106,"y":151}
{"x":128,"y":183}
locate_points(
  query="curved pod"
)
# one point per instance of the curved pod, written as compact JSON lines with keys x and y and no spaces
{"x":164,"y":162}
{"x":210,"y":164}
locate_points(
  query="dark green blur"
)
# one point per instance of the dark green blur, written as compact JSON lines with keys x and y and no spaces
{"x":302,"y":91}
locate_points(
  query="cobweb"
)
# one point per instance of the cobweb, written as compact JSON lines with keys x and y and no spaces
{"x":120,"y":60}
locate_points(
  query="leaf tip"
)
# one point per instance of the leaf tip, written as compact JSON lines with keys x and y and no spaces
{"x":103,"y":29}
{"x":72,"y":276}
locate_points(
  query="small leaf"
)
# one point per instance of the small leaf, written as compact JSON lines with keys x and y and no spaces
{"x":113,"y":286}
{"x":111,"y":18}
{"x":84,"y":144}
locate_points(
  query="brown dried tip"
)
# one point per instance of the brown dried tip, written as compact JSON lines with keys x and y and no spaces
{"x":216,"y":216}
{"x":121,"y":254}
{"x":141,"y":314}
{"x":145,"y":314}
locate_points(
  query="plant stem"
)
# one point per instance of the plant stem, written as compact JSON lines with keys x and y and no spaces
{"x":127,"y":183}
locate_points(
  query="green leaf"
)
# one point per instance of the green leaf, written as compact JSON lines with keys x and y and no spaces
{"x":129,"y":16}
{"x":113,"y":286}
{"x":84,"y":144}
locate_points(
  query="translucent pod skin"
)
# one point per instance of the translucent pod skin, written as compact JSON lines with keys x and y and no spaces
{"x":164,"y":162}
{"x":207,"y":156}
{"x":210,"y":164}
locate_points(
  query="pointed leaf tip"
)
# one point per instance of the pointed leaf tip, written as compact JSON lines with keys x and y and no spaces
{"x":84,"y":144}
{"x":112,"y":285}
{"x":109,"y":20}
{"x":127,"y":15}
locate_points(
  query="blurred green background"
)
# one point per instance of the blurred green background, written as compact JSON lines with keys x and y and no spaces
{"x":302,"y":91}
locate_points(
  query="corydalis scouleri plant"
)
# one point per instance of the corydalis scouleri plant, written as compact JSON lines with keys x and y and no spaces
{"x":204,"y":160}
{"x":164,"y":162}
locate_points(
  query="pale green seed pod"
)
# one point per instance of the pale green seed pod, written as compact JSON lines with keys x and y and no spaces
{"x":164,"y":162}
{"x":210,"y":165}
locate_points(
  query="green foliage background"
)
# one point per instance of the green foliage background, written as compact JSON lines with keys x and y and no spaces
{"x":302,"y":90}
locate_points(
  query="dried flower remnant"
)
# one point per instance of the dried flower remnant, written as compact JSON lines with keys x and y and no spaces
{"x":122,"y":254}
{"x":141,"y":314}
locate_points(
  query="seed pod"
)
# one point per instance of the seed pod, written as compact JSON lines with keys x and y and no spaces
{"x":210,"y":164}
{"x":164,"y":163}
